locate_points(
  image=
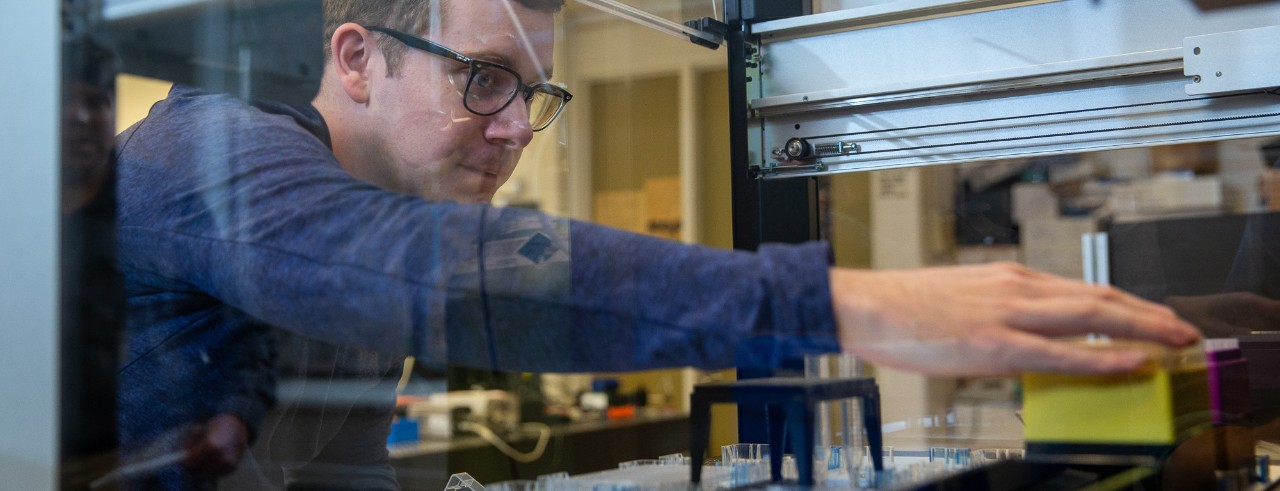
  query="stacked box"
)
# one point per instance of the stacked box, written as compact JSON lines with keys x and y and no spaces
{"x":1052,"y":245}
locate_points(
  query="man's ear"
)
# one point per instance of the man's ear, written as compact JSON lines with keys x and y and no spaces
{"x":353,"y":49}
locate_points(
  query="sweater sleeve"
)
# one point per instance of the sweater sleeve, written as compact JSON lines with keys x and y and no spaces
{"x":630,"y":302}
{"x":254,"y":211}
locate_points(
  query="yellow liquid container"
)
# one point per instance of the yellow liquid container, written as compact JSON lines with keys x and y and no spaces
{"x":1165,"y":401}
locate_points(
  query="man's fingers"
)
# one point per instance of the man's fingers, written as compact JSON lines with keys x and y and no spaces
{"x":994,"y":320}
{"x":208,"y":461}
{"x":1029,"y":353}
{"x":999,"y":353}
{"x":1080,"y":315}
{"x":215,"y":448}
{"x":197,"y":459}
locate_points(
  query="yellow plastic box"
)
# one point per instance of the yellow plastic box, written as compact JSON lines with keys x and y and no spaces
{"x":1165,"y":401}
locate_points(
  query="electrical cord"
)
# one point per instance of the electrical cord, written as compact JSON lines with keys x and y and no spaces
{"x":544,"y":436}
{"x":405,"y":374}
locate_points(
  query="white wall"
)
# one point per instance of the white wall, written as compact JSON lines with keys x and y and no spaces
{"x":592,"y":46}
{"x":612,"y":50}
{"x":134,"y":97}
{"x":28,"y":245}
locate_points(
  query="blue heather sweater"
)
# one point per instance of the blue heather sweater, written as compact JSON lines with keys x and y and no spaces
{"x":236,"y":218}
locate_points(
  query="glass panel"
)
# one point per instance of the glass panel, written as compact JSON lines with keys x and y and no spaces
{"x":91,"y":303}
{"x":306,"y":263}
{"x":820,"y":6}
{"x":832,"y":5}
{"x":1186,"y":225}
{"x":307,"y":307}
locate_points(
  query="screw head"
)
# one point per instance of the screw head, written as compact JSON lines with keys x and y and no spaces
{"x":797,"y":148}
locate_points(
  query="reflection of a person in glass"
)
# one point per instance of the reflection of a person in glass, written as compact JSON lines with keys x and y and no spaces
{"x":1248,"y":303}
{"x":225,"y":236}
{"x":90,"y":301}
{"x":88,"y":118}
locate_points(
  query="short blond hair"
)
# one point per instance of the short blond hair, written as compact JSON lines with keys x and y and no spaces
{"x":403,"y":15}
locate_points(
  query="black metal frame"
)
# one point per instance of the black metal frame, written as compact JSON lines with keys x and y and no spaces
{"x":783,"y":210}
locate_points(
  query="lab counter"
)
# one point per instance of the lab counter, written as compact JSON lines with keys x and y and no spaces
{"x":576,"y":448}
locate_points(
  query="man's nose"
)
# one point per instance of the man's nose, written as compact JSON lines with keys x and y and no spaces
{"x":511,"y":125}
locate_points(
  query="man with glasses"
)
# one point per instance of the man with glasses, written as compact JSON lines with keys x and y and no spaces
{"x":490,"y":87}
{"x":239,"y":219}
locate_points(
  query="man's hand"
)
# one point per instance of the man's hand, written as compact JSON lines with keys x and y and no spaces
{"x":215,"y":448}
{"x":1228,"y":314}
{"x":994,"y":319}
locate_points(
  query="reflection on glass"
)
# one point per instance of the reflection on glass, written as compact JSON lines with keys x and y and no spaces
{"x":254,"y":361}
{"x":832,"y":5}
{"x":1188,"y":225}
{"x":282,"y":259}
{"x":91,"y":307}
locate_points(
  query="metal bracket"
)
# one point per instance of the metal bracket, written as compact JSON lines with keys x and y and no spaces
{"x":711,"y":27}
{"x":800,"y":149}
{"x":1235,"y":61}
{"x":706,"y":32}
{"x":772,"y":168}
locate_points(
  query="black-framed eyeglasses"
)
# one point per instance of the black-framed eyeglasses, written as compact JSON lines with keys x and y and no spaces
{"x":491,"y":87}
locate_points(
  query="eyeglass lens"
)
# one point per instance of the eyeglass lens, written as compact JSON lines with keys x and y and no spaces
{"x":491,"y":88}
{"x":543,"y":107}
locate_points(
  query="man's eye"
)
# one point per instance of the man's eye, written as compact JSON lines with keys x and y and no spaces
{"x":484,"y":79}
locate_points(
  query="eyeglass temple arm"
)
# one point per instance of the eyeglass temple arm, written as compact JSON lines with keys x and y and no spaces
{"x":422,"y":44}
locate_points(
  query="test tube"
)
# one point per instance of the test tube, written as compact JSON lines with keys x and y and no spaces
{"x":839,"y":422}
{"x":748,"y":463}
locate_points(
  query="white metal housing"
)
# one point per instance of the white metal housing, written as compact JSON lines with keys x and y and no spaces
{"x":942,"y":81}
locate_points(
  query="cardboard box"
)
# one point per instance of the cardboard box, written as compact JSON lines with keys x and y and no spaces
{"x":1269,"y":188}
{"x":1033,"y":201}
{"x":1200,"y":158}
{"x":1166,"y":196}
{"x":1053,"y":245}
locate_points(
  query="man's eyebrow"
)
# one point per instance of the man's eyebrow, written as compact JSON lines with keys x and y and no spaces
{"x":491,"y":57}
{"x":494,"y":57}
